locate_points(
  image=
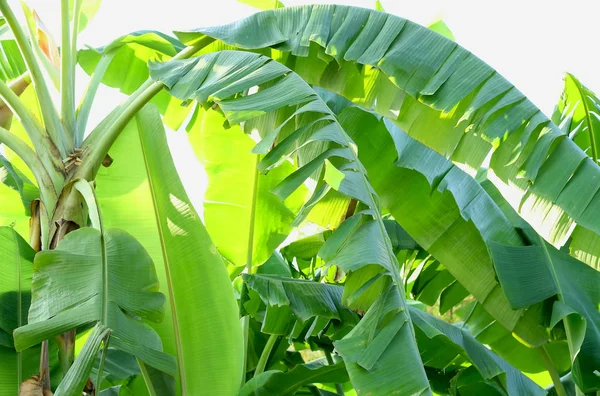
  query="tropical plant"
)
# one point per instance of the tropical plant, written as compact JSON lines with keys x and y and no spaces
{"x":361,"y":167}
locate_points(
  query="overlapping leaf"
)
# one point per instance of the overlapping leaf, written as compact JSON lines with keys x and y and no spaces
{"x":16,"y":266}
{"x":292,"y":302}
{"x":109,"y":279}
{"x":224,"y":78}
{"x":441,"y":95}
{"x":205,"y":313}
{"x":447,"y":210}
{"x":278,"y":383}
{"x":248,"y":222}
{"x":577,"y":115}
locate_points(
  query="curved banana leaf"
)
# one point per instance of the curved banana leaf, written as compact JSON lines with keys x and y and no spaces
{"x":16,"y":266}
{"x":436,"y":220}
{"x":204,"y":309}
{"x":247,"y":223}
{"x":128,"y":69}
{"x":440,"y":94}
{"x":442,"y":208}
{"x":224,"y":77}
{"x":114,"y":281}
{"x":443,"y":345}
{"x":531,"y":274}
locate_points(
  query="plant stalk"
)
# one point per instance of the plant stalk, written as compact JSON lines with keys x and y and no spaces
{"x":264,"y":356}
{"x":88,"y":99}
{"x":558,"y":385}
{"x":47,"y":191}
{"x":49,"y":114}
{"x":67,"y":67}
{"x":338,"y":387}
{"x":43,"y":146}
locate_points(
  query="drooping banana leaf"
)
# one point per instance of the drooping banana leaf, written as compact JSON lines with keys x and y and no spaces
{"x":407,"y":178}
{"x":447,"y":209}
{"x":224,"y":78}
{"x":440,"y":94}
{"x":530,"y":274}
{"x":292,"y":304}
{"x":111,"y":280}
{"x":443,"y":345}
{"x":247,"y":223}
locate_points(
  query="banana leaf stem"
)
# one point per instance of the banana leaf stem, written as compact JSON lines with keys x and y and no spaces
{"x":49,"y":113}
{"x":338,"y":387}
{"x":103,"y":137}
{"x":264,"y":356}
{"x":558,"y":385}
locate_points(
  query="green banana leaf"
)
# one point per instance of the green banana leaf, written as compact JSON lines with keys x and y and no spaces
{"x":125,"y":193}
{"x":278,"y":383}
{"x":205,"y":313}
{"x":77,"y":376}
{"x":127,"y":69}
{"x":292,"y":305}
{"x":531,"y":274}
{"x":114,"y":280}
{"x":443,"y":345}
{"x":577,"y":115}
{"x":223,"y":78}
{"x":440,"y":27}
{"x":16,"y":180}
{"x":440,"y":94}
{"x":248,"y":215}
{"x":437,"y":220}
{"x":433,"y":218}
{"x":88,"y":10}
{"x":12,"y":64}
{"x":16,"y":266}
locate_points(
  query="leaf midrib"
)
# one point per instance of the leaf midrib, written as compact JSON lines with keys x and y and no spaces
{"x":177,"y":331}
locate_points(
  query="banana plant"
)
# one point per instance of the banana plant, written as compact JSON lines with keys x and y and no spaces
{"x":367,"y":125}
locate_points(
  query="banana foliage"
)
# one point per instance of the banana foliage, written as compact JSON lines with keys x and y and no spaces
{"x":369,"y":176}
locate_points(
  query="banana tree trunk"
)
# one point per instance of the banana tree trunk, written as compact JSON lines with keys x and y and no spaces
{"x":69,"y":215}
